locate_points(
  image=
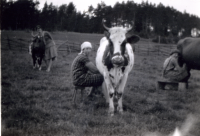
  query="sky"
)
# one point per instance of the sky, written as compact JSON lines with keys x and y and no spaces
{"x":190,"y":6}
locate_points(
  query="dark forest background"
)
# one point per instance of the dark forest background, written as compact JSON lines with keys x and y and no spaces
{"x":165,"y":21}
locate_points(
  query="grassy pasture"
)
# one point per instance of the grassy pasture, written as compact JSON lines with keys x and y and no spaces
{"x":37,"y":103}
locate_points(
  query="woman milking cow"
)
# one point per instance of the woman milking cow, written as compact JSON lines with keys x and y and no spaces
{"x":50,"y":52}
{"x":173,"y":71}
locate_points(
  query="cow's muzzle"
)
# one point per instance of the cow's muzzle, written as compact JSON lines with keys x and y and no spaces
{"x":118,"y":60}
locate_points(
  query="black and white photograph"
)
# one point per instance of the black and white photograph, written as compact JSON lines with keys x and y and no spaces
{"x":100,"y":67}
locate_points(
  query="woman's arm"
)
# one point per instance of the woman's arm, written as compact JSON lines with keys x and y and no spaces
{"x":92,"y":68}
{"x":47,"y":35}
{"x":176,"y":65}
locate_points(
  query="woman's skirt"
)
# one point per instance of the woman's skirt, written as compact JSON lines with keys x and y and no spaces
{"x":176,"y":76}
{"x":90,"y":80}
{"x":50,"y":51}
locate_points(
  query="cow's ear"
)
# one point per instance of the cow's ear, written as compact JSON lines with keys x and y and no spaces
{"x":132,"y":38}
{"x":107,"y":34}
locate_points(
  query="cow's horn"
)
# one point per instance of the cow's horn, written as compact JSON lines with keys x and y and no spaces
{"x":130,"y":28}
{"x":32,"y":34}
{"x":104,"y":24}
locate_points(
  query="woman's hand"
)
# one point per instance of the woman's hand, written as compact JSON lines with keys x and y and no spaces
{"x":92,"y":68}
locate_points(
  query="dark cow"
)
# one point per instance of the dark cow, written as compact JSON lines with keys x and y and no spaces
{"x":38,"y":51}
{"x":190,"y":52}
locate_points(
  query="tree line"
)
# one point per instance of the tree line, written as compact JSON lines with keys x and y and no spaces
{"x":149,"y":19}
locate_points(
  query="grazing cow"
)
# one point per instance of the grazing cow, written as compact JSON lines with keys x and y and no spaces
{"x":38,"y":51}
{"x":190,"y":52}
{"x":114,"y":60}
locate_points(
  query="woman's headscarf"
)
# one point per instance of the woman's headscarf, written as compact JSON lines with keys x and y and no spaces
{"x":85,"y":45}
{"x":175,"y":51}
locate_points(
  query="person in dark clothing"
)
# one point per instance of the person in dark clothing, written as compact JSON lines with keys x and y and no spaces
{"x":172,"y":71}
{"x":84,"y":72}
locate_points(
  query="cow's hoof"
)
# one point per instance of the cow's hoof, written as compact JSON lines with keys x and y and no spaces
{"x":34,"y":67}
{"x":111,"y":112}
{"x":40,"y":68}
{"x":120,"y":109}
{"x":48,"y":70}
{"x":121,"y":112}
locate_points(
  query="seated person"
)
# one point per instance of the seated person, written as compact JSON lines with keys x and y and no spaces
{"x":84,"y":72}
{"x":172,"y":71}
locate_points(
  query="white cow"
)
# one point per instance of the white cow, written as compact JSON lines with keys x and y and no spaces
{"x":114,"y":60}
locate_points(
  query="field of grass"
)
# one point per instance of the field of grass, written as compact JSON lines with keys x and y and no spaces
{"x":37,"y":103}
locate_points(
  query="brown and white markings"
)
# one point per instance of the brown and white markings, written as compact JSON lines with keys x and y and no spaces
{"x":115,"y":59}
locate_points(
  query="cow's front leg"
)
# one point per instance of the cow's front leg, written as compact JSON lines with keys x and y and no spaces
{"x":40,"y":67}
{"x":111,"y":97}
{"x":105,"y":92}
{"x":34,"y":61}
{"x":120,"y":106}
{"x":40,"y":63}
{"x":120,"y":91}
{"x":37,"y":62}
{"x":110,"y":91}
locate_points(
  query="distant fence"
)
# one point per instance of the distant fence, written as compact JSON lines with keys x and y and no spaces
{"x":154,"y":49}
{"x":147,"y":48}
{"x":20,"y":44}
{"x":14,"y":44}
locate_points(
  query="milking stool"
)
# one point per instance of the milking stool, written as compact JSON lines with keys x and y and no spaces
{"x":75,"y":91}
